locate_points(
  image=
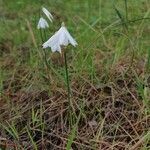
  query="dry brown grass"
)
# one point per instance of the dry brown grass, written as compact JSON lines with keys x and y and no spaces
{"x":113,"y":115}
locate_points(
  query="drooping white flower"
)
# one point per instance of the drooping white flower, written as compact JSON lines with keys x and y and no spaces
{"x":42,"y":24}
{"x":48,"y":14}
{"x":61,"y":38}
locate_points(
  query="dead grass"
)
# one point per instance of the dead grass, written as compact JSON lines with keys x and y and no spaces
{"x":113,"y":115}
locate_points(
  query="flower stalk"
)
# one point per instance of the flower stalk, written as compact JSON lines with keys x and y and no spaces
{"x":67,"y":78}
{"x":57,"y":43}
{"x":44,"y":52}
{"x":42,"y":25}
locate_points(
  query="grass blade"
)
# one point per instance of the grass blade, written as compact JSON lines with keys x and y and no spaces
{"x":121,"y":17}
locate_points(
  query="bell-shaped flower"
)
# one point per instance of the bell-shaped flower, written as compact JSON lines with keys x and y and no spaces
{"x":42,"y":24}
{"x":48,"y":14}
{"x":61,"y":38}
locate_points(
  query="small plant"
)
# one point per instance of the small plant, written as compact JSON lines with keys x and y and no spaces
{"x":58,"y":43}
{"x":42,"y":26}
{"x":52,"y":97}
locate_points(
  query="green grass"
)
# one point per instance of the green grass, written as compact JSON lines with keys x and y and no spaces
{"x":108,"y":76}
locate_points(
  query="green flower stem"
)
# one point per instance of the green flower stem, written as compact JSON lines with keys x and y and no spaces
{"x":45,"y":50}
{"x":45,"y":36}
{"x":72,"y":114}
{"x":42,"y":39}
{"x":126,"y":10}
{"x":67,"y":80}
{"x":67,"y":76}
{"x":41,"y":35}
{"x":44,"y":56}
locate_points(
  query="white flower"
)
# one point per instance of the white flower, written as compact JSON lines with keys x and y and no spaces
{"x":48,"y":14}
{"x":42,"y":24}
{"x":61,"y":38}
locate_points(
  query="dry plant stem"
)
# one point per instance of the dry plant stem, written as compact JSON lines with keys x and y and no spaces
{"x":132,"y":61}
{"x":140,"y":141}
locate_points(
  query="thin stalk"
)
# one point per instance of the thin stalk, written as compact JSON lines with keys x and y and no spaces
{"x":126,"y":9}
{"x":148,"y":61}
{"x":72,"y":114}
{"x":45,"y":58}
{"x":67,"y":77}
{"x":44,"y":50}
{"x":45,"y":36}
{"x":132,"y":21}
{"x":44,"y":53}
{"x":42,"y":39}
{"x":121,"y":18}
{"x":41,"y":35}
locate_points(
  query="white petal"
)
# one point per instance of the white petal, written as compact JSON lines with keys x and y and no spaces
{"x":61,"y":38}
{"x":42,"y":23}
{"x":70,"y":38}
{"x":48,"y":14}
{"x":53,"y":43}
{"x":56,"y":48}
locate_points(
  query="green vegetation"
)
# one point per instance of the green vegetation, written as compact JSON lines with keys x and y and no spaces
{"x":109,"y":76}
